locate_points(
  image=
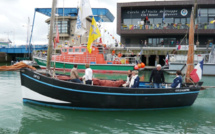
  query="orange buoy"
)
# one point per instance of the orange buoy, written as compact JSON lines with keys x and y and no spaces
{"x":136,"y":67}
{"x":142,"y":65}
{"x":139,"y":65}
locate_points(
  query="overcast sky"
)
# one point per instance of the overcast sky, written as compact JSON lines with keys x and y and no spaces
{"x":14,"y":17}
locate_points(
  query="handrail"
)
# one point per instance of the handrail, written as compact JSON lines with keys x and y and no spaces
{"x":167,"y":26}
{"x":183,"y":58}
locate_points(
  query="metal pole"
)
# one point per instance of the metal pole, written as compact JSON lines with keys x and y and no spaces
{"x":49,"y":53}
{"x":29,"y":45}
{"x":32,"y":27}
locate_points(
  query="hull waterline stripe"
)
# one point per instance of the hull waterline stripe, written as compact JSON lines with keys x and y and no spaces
{"x":107,"y":93}
{"x":95,"y":109}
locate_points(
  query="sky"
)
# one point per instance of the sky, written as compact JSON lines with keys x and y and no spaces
{"x":14,"y":18}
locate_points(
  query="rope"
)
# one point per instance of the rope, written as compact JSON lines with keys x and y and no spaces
{"x":191,"y":80}
{"x":56,"y":24}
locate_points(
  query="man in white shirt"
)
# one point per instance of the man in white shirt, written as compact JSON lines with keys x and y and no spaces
{"x":88,"y":74}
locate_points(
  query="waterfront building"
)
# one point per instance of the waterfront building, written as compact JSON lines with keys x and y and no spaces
{"x":66,"y":19}
{"x":164,"y":24}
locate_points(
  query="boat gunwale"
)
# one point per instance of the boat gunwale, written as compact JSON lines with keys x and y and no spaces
{"x":118,"y":90}
{"x":85,"y":63}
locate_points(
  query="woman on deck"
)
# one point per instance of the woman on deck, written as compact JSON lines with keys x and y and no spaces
{"x":134,"y":80}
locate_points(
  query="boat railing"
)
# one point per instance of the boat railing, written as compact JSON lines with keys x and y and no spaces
{"x":183,"y":58}
{"x":77,"y":59}
{"x":124,"y":60}
{"x":40,"y":55}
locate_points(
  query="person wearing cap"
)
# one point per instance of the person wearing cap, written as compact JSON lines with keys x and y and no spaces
{"x":157,"y":76}
{"x":137,"y":59}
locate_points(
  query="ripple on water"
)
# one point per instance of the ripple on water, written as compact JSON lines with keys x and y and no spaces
{"x":23,"y":119}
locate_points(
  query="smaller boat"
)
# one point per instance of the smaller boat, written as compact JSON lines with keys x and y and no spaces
{"x":178,"y":62}
{"x":101,"y":60}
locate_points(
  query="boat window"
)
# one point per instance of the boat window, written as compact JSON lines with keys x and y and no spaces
{"x":77,"y":50}
{"x":83,"y":50}
{"x":64,"y":50}
{"x":70,"y":50}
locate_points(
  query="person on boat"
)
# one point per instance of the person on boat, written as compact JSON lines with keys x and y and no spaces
{"x":113,"y":52}
{"x":119,"y":55}
{"x":88,"y":74}
{"x":210,"y":44}
{"x":157,"y":76}
{"x":129,"y":76}
{"x":145,"y":43}
{"x":74,"y":74}
{"x":134,"y":80}
{"x":177,"y":82}
{"x":177,"y":42}
{"x":137,"y":59}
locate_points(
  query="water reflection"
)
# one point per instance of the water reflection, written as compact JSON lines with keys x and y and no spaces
{"x":23,"y":119}
{"x":193,"y":119}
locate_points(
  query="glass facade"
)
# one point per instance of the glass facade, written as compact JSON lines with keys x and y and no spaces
{"x":205,"y":16}
{"x":162,"y":42}
{"x":63,"y":27}
{"x":131,"y":19}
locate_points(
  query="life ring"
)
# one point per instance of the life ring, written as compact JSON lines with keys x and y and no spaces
{"x":116,"y":61}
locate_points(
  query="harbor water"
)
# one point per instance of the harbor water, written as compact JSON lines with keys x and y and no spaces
{"x":19,"y":118}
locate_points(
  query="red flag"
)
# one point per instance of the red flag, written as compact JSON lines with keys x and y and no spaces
{"x":100,"y":40}
{"x":57,"y":35}
{"x":56,"y":39}
{"x":167,"y":59}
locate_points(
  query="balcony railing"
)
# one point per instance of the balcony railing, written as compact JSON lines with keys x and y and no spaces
{"x":167,"y":26}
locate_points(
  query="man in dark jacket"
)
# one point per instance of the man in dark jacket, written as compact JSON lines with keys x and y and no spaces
{"x":157,"y":76}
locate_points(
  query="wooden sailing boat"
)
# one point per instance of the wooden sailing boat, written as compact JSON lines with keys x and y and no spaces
{"x":43,"y":90}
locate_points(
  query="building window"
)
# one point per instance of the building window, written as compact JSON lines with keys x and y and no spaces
{"x":127,"y":21}
{"x":157,"y":20}
{"x":77,"y":50}
{"x":70,"y":50}
{"x":83,"y":50}
{"x":211,"y":12}
{"x":168,"y":20}
{"x":64,"y":50}
{"x":203,"y":20}
{"x":203,"y":12}
{"x":162,"y":41}
{"x":127,"y":41}
{"x":63,"y":27}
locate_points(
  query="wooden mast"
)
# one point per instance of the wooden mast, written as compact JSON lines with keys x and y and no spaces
{"x":190,"y":54}
{"x":49,"y":52}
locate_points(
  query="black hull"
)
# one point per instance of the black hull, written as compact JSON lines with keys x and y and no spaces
{"x":62,"y":94}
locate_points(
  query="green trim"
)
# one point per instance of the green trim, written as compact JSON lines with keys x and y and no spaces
{"x":82,"y":66}
{"x":5,"y":44}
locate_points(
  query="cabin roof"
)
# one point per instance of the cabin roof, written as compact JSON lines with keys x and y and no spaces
{"x":100,"y":14}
